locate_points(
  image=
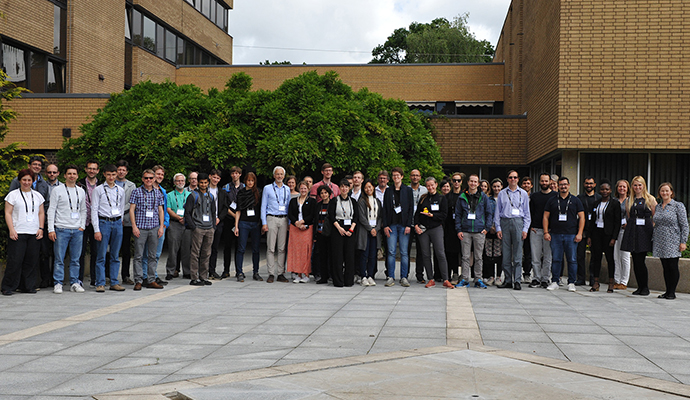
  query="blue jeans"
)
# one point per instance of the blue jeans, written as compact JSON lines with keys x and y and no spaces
{"x":561,"y":243}
{"x":159,"y":251}
{"x":112,"y":235}
{"x":247,"y":229}
{"x":72,"y":238}
{"x":367,"y":261}
{"x":399,"y":237}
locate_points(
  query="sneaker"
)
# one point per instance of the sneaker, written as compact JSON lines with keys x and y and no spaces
{"x":431,"y":283}
{"x":421,"y":280}
{"x":257,"y":277}
{"x":390,"y":282}
{"x":77,"y":288}
{"x":544,"y":285}
{"x":447,"y":284}
{"x":169,"y":277}
{"x":358,"y":279}
{"x":372,"y":282}
{"x":455,"y":277}
{"x":240,"y":277}
{"x":100,"y":289}
{"x":552,"y":286}
{"x":534,"y":283}
{"x":404,"y":282}
{"x":498,"y":281}
{"x":282,"y":278}
{"x":489,"y":281}
{"x":305,"y":279}
{"x":57,"y":289}
{"x":571,"y":287}
{"x":364,"y":282}
{"x":196,"y":282}
{"x":480,"y":284}
{"x":525,"y":278}
{"x":128,"y":281}
{"x":224,"y":275}
{"x":214,"y":276}
{"x":296,"y":279}
{"x":463,"y":283}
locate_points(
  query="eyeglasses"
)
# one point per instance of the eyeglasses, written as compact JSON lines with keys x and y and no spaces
{"x":147,"y":177}
{"x":512,"y":177}
{"x":52,"y":172}
{"x":457,"y":180}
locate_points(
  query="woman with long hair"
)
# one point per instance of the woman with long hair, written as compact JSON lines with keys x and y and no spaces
{"x":620,"y":257}
{"x":320,"y":267}
{"x":670,"y":237}
{"x":368,"y":237}
{"x":493,"y":257}
{"x":343,"y":213}
{"x":638,"y":231}
{"x":301,"y":212}
{"x":248,"y":223}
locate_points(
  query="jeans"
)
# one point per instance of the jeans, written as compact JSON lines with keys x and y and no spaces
{"x":398,"y":237}
{"x":367,"y":266}
{"x":112,"y":235}
{"x":478,"y":239}
{"x":73,"y":239}
{"x":88,"y":242}
{"x":561,"y":243}
{"x":159,"y":251}
{"x":247,"y":229}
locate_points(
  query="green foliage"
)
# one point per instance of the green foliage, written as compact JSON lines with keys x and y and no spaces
{"x":439,"y":41}
{"x":267,"y":62}
{"x":308,"y":120}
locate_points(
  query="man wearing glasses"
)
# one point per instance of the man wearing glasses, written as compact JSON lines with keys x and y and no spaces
{"x":512,"y":224}
{"x":453,"y":243}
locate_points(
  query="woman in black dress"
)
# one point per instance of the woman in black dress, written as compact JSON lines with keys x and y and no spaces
{"x":637,"y":238}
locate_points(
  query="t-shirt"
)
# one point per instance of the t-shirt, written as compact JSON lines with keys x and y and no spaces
{"x":569,"y":207}
{"x":25,"y":204}
{"x":537,"y":202}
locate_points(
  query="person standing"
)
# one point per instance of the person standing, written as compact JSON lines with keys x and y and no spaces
{"x":320,"y":263}
{"x":220,"y":197}
{"x":274,"y":203}
{"x":639,"y":231}
{"x":66,"y":223}
{"x":539,"y":247}
{"x":52,"y":175}
{"x":622,"y":258}
{"x":25,"y":223}
{"x":159,"y":176}
{"x":368,"y":234}
{"x":301,"y":213}
{"x":89,"y":184}
{"x":327,"y":172}
{"x":602,"y":232}
{"x":527,"y":185}
{"x":231,"y":189}
{"x":452,"y":243}
{"x":200,"y":210}
{"x":398,"y":220}
{"x":473,"y":215}
{"x":248,"y":224}
{"x":343,"y":213}
{"x":179,"y":237}
{"x":588,"y":198}
{"x":417,"y":192}
{"x":108,"y":203}
{"x":148,"y":227}
{"x":126,"y":248}
{"x":670,"y":237}
{"x":357,"y":180}
{"x":563,"y":221}
{"x":512,"y":220}
{"x":193,"y":181}
{"x":493,"y":256}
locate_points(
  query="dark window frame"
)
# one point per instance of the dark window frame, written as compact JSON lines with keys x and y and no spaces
{"x":47,"y":59}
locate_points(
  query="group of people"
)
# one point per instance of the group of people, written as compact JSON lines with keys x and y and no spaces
{"x":480,"y":231}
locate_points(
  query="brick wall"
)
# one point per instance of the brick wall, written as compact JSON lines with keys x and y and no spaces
{"x":408,"y":81}
{"x":28,"y":21}
{"x":146,"y":66}
{"x":477,"y":140}
{"x":41,"y":119}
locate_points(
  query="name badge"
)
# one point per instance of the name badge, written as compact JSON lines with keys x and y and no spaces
{"x":471,"y":216}
{"x":29,"y":218}
{"x":589,"y":217}
{"x":149,"y":214}
{"x":347,"y":222}
{"x":640,"y":221}
{"x":281,"y":208}
{"x":233,"y":205}
{"x":115,"y":211}
{"x":623,"y":221}
{"x":415,"y":208}
{"x":206,"y":218}
{"x":600,"y":224}
{"x":74,"y":215}
{"x":372,"y":223}
{"x":515,"y":211}
{"x":562,"y":217}
{"x":435,"y":207}
{"x":397,"y":209}
{"x":250,"y":213}
{"x":180,"y":212}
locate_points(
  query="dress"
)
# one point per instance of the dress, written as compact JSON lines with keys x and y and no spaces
{"x":670,"y":229}
{"x":638,"y":238}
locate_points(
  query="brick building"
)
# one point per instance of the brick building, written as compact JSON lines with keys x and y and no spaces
{"x":576,"y":88}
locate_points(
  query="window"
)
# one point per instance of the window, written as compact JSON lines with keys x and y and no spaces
{"x":160,"y":41}
{"x":189,"y":53}
{"x":170,"y":43}
{"x":149,"y":42}
{"x":212,"y":11}
{"x":14,"y":64}
{"x":37,"y":76}
{"x":206,"y":6}
{"x":191,"y":2}
{"x":180,"y":51}
{"x":59,"y":31}
{"x":219,"y":15}
{"x":128,"y":31}
{"x":445,"y":107}
{"x":35,"y":70}
{"x":55,"y":78}
{"x":136,"y":27}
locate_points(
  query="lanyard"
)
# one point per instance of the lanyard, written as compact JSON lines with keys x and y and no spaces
{"x":70,"y":198}
{"x":26,"y":205}
{"x":88,"y":196}
{"x":566,"y":206}
{"x":146,"y":198}
{"x":177,"y":204}
{"x":117,"y":195}
{"x":520,"y":194}
{"x":276,"y":193}
{"x":349,"y":206}
{"x":604,"y":210}
{"x":373,"y":211}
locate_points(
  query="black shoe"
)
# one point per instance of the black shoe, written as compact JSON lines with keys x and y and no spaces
{"x":421,"y":280}
{"x":224,"y":275}
{"x":641,"y":292}
{"x":580,"y":283}
{"x":322,"y":281}
{"x":282,"y":278}
{"x":667,"y":296}
{"x":168,"y":277}
{"x":534,"y":283}
{"x":7,"y":293}
{"x":197,"y":282}
{"x":207,"y":283}
{"x":186,"y":276}
{"x":161,"y":282}
{"x":240,"y":277}
{"x":176,"y":274}
{"x":544,"y":285}
{"x":257,"y":277}
{"x":505,"y":285}
{"x":214,"y":276}
{"x":516,"y":286}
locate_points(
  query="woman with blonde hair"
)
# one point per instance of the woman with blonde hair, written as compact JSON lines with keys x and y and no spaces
{"x":670,"y":236}
{"x":620,"y":257}
{"x":637,"y":238}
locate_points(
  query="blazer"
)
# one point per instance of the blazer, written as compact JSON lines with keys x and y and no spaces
{"x":363,"y":226}
{"x":309,"y":211}
{"x":223,"y":204}
{"x":612,"y":219}
{"x":406,"y":203}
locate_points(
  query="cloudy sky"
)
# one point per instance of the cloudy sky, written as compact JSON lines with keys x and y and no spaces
{"x":343,"y":32}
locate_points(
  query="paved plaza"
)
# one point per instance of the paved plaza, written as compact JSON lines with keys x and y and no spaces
{"x":306,"y":341}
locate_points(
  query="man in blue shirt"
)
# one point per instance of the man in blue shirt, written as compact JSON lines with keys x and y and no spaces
{"x":274,"y":207}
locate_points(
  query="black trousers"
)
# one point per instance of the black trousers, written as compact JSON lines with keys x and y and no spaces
{"x":418,"y":260}
{"x":230,"y":241}
{"x":90,"y":243}
{"x":126,"y":251}
{"x":526,"y":256}
{"x":217,"y":236}
{"x":320,"y":266}
{"x":581,"y":260}
{"x":22,"y":263}
{"x":671,"y":274}
{"x":640,"y":268}
{"x":342,"y":252}
{"x":488,"y":266}
{"x":600,"y":243}
{"x":46,"y":258}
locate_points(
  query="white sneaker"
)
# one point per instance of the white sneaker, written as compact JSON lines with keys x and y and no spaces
{"x":76,"y":287}
{"x":58,"y":288}
{"x":489,"y":281}
{"x":390,"y":282}
{"x":552,"y":286}
{"x":296,"y":279}
{"x":404,"y":282}
{"x":305,"y":279}
{"x":372,"y":282}
{"x":364,"y":282}
{"x":358,"y":279}
{"x":571,"y":287}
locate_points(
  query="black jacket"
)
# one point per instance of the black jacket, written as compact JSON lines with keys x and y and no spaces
{"x":406,"y":203}
{"x":612,"y":219}
{"x":309,"y":211}
{"x":193,"y":202}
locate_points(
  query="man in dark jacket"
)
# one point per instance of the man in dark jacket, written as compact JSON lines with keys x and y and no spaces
{"x":398,"y":219}
{"x":200,"y":212}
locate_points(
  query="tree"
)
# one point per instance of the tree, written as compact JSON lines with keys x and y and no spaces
{"x":439,"y":41}
{"x":267,"y":62}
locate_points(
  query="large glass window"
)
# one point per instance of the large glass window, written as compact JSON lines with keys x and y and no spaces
{"x":189,"y":53}
{"x":32,"y":70}
{"x":37,"y":76}
{"x":59,"y":31}
{"x":170,"y":42}
{"x":136,"y":27}
{"x":149,"y":34}
{"x":55,"y":78}
{"x":160,"y":41}
{"x":14,"y":64}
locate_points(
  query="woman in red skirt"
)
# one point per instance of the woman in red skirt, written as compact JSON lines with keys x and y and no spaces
{"x":301,"y":213}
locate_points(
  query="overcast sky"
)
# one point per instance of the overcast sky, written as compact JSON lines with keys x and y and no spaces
{"x":343,"y":32}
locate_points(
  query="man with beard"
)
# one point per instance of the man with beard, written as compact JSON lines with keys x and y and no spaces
{"x":539,"y":247}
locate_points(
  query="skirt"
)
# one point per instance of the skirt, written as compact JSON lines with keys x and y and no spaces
{"x":299,"y":250}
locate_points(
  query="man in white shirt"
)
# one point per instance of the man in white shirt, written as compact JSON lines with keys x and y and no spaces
{"x":357,"y":179}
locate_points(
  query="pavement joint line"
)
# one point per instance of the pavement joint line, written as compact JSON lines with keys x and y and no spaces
{"x":75,"y":319}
